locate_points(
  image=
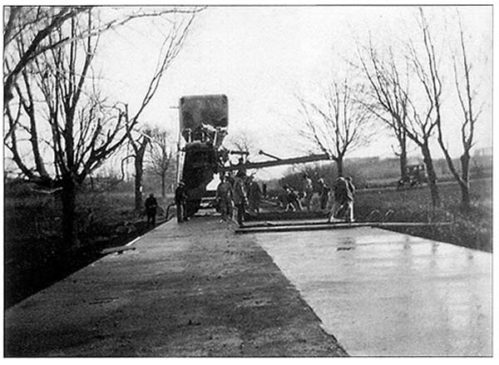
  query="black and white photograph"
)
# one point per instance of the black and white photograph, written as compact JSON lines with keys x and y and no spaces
{"x":247,"y":180}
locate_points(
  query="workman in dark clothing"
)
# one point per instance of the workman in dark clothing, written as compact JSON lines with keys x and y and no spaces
{"x":324,"y":193}
{"x":239,"y":196}
{"x":151,"y":205}
{"x":241,"y":167}
{"x":292,"y":201}
{"x":349,"y":199}
{"x":224,"y":198}
{"x":344,"y":191}
{"x":254,"y":195}
{"x":308,"y":191}
{"x":180,"y":200}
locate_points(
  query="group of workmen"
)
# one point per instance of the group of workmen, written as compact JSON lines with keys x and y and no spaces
{"x":244,"y":194}
{"x":239,"y":191}
{"x":343,"y":193}
{"x":151,"y":205}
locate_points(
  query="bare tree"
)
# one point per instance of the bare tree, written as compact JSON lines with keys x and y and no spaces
{"x":139,"y":139}
{"x":403,"y":108}
{"x":426,"y":116}
{"x":387,"y":98}
{"x":28,"y":30}
{"x":337,"y":126}
{"x":467,"y":101}
{"x":160,"y":154}
{"x":241,"y":142}
{"x":83,"y":129}
{"x":54,"y":107}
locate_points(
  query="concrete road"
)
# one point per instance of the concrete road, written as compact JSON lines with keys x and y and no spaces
{"x":187,"y":290}
{"x":198,"y":289}
{"x":388,"y":294}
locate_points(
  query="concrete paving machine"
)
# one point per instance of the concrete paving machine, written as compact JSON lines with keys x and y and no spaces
{"x":204,"y":120}
{"x":203,"y":126}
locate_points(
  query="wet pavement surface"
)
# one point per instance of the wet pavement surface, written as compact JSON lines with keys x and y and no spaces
{"x":383,"y":293}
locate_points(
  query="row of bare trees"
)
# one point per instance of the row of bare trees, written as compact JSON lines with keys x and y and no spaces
{"x":406,"y":95}
{"x":158,"y":143}
{"x":59,"y":126}
{"x":397,"y":105}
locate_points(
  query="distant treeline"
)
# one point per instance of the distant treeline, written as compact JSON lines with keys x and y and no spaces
{"x":366,"y":172}
{"x":103,"y":181}
{"x":372,"y":172}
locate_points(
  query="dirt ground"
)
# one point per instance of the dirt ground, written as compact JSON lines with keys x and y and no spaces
{"x":36,"y":263}
{"x":186,"y":291}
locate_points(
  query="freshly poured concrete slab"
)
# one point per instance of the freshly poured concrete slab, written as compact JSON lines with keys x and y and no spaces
{"x":388,"y":294}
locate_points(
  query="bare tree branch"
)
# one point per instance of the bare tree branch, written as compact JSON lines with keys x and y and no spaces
{"x":39,"y":23}
{"x":336,"y":125}
{"x":169,"y":51}
{"x":466,"y":101}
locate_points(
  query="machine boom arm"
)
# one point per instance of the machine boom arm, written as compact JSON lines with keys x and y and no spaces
{"x":287,"y":161}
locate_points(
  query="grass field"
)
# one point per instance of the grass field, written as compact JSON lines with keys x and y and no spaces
{"x":473,"y":229}
{"x":34,"y":253}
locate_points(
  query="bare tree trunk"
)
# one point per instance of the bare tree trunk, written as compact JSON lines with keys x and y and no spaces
{"x":462,"y":180}
{"x":432,"y":177}
{"x":163,"y":187}
{"x":69,"y":235}
{"x":465,"y":182}
{"x":402,"y":138}
{"x":403,"y":162}
{"x":139,"y":172}
{"x":140,"y":152}
{"x":339,"y":166}
{"x":465,"y":197}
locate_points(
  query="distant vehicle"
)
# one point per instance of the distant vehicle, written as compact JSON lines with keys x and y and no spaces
{"x":415,"y":175}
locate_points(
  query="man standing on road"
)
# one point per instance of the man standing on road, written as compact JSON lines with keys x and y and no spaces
{"x":308,"y":191}
{"x":324,"y":193}
{"x":254,"y":195}
{"x":180,"y":200}
{"x":224,"y":198}
{"x":151,"y":205}
{"x":344,"y":191}
{"x":240,"y":197}
{"x":350,"y":199}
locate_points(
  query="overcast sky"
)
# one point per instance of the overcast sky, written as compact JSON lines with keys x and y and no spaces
{"x":260,"y":57}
